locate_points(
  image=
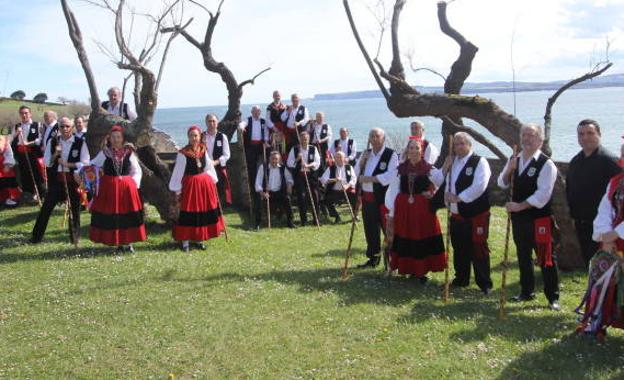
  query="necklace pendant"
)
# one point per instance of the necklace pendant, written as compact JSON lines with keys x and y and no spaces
{"x":199,"y":164}
{"x":410,"y":200}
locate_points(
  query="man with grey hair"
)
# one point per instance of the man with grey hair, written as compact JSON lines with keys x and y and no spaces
{"x":114,"y":106}
{"x":430,"y":152}
{"x":533,"y":175}
{"x":375,"y":169}
{"x":50,"y":131}
{"x":255,"y":140}
{"x":586,"y":181}
{"x":466,"y":181}
{"x":339,"y":181}
{"x":296,"y":116}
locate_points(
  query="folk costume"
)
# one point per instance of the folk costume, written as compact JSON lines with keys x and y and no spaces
{"x":309,"y":155}
{"x":334,"y":178}
{"x":218,"y":148}
{"x":9,"y":191}
{"x":274,"y":180}
{"x":193,"y":180}
{"x":347,"y":146}
{"x":29,"y":158}
{"x":417,"y":244}
{"x":117,"y":208}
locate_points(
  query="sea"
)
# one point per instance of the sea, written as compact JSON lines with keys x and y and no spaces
{"x":605,"y":105}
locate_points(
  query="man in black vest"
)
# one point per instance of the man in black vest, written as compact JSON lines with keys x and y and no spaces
{"x":586,"y":182}
{"x":26,"y":145}
{"x":304,"y":161}
{"x":321,"y":133}
{"x":375,"y":169}
{"x":275,"y":124}
{"x":467,"y":196}
{"x":346,"y":145}
{"x":114,"y":106}
{"x":533,"y":175}
{"x":336,"y":178}
{"x":430,"y":152}
{"x":296,"y":117}
{"x":65,"y":154}
{"x":275,"y":184}
{"x":219,"y":152}
{"x":50,"y":131}
{"x":255,"y":139}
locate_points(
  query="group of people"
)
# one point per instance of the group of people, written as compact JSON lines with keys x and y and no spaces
{"x":287,"y":153}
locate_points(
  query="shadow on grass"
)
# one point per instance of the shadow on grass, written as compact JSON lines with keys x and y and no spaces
{"x":356,"y":253}
{"x":21,"y":218}
{"x":63,"y":253}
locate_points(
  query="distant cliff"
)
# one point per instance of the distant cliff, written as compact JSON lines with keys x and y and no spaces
{"x":613,"y":80}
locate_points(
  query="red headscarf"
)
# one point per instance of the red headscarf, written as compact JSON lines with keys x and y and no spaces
{"x":191,"y":151}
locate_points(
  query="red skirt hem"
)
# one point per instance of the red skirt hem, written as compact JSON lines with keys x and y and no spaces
{"x":418,"y":267}
{"x":117,"y":237}
{"x":198,"y":233}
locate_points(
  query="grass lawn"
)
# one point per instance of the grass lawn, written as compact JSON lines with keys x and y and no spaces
{"x":268,"y":304}
{"x":9,"y":111}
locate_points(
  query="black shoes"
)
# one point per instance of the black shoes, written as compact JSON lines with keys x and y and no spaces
{"x":337,"y":219}
{"x":523,"y":297}
{"x":257,"y":227}
{"x":457,"y":284}
{"x":370,"y":263}
{"x":290,"y":224}
{"x":486,"y":291}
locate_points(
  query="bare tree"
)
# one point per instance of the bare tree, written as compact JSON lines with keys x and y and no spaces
{"x":405,"y":101}
{"x":140,"y":131}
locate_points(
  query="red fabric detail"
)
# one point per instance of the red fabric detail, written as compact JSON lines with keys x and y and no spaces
{"x":621,"y":162}
{"x":543,"y":241}
{"x":228,"y":187}
{"x":116,"y":128}
{"x":193,"y":128}
{"x":419,"y":268}
{"x":12,"y":193}
{"x":480,"y":234}
{"x":368,"y":196}
{"x":414,"y":221}
{"x":199,"y":194}
{"x":42,"y":168}
{"x":118,"y":237}
{"x":256,"y":142}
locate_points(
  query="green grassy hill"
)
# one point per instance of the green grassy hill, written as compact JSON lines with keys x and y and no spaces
{"x":9,"y":111}
{"x":270,"y":305}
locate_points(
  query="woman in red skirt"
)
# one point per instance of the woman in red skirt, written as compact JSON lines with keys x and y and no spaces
{"x":9,"y":192}
{"x":117,"y":209}
{"x":193,"y":180}
{"x":413,"y":229}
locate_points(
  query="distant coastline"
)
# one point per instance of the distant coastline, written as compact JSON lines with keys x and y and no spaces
{"x":613,"y":80}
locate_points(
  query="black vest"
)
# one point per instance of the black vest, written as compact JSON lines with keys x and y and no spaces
{"x":109,"y":168}
{"x":247,"y":134}
{"x":266,"y":177}
{"x":464,"y":181}
{"x":300,"y":113}
{"x":33,"y":134}
{"x":349,"y":146}
{"x":332,"y":172}
{"x":309,"y":157}
{"x":525,"y":184}
{"x":323,"y":134}
{"x":124,"y":109}
{"x":382,"y":166}
{"x":275,"y":114}
{"x":217,"y":149}
{"x":53,"y":133}
{"x":421,"y":184}
{"x":74,"y":152}
{"x":191,"y":167}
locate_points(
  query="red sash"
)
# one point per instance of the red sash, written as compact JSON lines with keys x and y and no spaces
{"x":543,"y":241}
{"x":227,"y":188}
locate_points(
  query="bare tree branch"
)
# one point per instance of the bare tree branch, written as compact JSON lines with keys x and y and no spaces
{"x":480,"y":138}
{"x":396,"y":67}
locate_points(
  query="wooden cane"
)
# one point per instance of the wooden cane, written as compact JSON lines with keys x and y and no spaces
{"x":305,"y":176}
{"x":227,"y":238}
{"x":445,"y":295}
{"x":242,"y":144}
{"x":503,"y":295}
{"x":265,"y":168}
{"x":30,"y":168}
{"x":345,"y":267}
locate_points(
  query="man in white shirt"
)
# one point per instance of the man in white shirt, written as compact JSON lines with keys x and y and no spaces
{"x":375,"y":169}
{"x":339,"y":181}
{"x":26,"y":145}
{"x":346,"y":145}
{"x":65,"y":154}
{"x":430,"y":152}
{"x":114,"y":106}
{"x":296,"y":117}
{"x":321,"y":134}
{"x":304,"y":161}
{"x":467,"y":177}
{"x":81,"y":127}
{"x":50,"y":128}
{"x":275,"y":187}
{"x":533,"y":175}
{"x":219,"y":152}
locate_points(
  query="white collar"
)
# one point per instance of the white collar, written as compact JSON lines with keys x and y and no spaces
{"x":535,"y":155}
{"x":465,"y":158}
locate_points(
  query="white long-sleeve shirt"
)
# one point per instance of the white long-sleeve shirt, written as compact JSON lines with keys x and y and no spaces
{"x":209,"y":140}
{"x":545,"y":180}
{"x":479,"y":184}
{"x":7,"y":153}
{"x":47,"y":132}
{"x":65,"y":152}
{"x":289,"y":117}
{"x":175,"y":184}
{"x":292,"y":160}
{"x":256,"y":129}
{"x":275,"y":178}
{"x":603,"y":223}
{"x":371,"y":163}
{"x":435,"y":176}
{"x":315,"y":133}
{"x":269,"y":122}
{"x":114,"y":110}
{"x":135,"y":168}
{"x":344,"y":147}
{"x":23,"y":139}
{"x":341,"y":175}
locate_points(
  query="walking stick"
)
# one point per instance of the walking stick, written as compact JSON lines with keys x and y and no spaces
{"x":30,"y":168}
{"x":445,"y":295}
{"x":72,"y":233}
{"x":503,"y":296}
{"x":227,"y":238}
{"x":242,"y":144}
{"x":305,"y":176}
{"x":266,"y":187}
{"x":344,"y":191}
{"x":345,"y":267}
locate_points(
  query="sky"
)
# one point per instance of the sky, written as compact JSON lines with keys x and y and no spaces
{"x":309,"y":45}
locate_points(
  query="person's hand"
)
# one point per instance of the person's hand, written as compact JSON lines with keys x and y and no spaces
{"x":216,"y":163}
{"x":427,"y":194}
{"x":288,"y":189}
{"x":609,"y":237}
{"x":447,"y":164}
{"x":514,"y":206}
{"x":265,"y":195}
{"x":451,"y":198}
{"x":62,"y":162}
{"x":6,"y":168}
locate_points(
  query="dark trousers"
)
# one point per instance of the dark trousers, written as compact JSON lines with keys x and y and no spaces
{"x":56,"y":194}
{"x":464,"y":255}
{"x":303,"y":196}
{"x":524,"y":238}
{"x":26,"y":178}
{"x":253,"y":154}
{"x":277,"y":200}
{"x":333,"y":197}
{"x":373,"y":226}
{"x":221,"y":186}
{"x":584,"y":231}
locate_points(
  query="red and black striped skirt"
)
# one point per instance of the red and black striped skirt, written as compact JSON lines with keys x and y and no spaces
{"x":200,"y":218}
